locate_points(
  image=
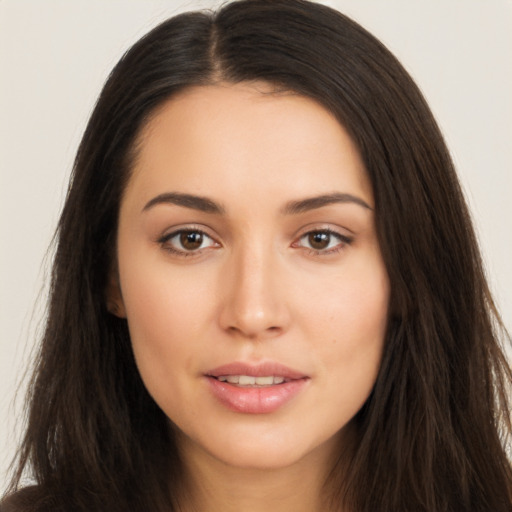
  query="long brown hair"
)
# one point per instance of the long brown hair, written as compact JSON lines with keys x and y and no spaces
{"x":431,"y":436}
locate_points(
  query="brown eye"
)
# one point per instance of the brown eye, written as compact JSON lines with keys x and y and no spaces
{"x":187,"y":242}
{"x":319,"y":240}
{"x":323,"y":241}
{"x":191,"y":240}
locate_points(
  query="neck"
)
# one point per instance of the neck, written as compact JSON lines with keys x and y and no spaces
{"x":211,"y":484}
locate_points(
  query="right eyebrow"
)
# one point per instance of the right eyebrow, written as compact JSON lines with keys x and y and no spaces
{"x":203,"y":204}
{"x":312,"y":203}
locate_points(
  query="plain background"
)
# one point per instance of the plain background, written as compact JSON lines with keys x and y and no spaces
{"x":56,"y":54}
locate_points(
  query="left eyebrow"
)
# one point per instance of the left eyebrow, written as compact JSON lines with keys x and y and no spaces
{"x":193,"y":202}
{"x":312,"y":203}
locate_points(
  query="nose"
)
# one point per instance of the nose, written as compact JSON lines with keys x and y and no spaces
{"x":254,"y":299}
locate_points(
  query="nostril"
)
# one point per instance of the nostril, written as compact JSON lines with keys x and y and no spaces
{"x":255,"y":334}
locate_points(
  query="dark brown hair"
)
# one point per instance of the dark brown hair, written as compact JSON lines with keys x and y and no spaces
{"x":431,"y":435}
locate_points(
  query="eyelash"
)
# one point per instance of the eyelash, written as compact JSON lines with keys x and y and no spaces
{"x":165,"y":240}
{"x":344,"y":240}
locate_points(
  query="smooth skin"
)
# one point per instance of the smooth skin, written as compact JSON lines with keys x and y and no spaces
{"x":247,"y":234}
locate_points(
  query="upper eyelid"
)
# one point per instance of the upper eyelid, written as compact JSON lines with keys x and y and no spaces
{"x":326,"y":227}
{"x":343,"y":238}
{"x":170,"y":232}
{"x":324,"y":230}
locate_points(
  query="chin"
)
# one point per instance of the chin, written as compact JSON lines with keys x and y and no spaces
{"x":256,"y":457}
{"x":263,"y":449}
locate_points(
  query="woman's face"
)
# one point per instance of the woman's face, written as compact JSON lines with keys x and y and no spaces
{"x":250,"y":274}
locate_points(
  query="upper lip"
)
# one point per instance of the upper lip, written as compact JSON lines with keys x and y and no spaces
{"x":256,"y":370}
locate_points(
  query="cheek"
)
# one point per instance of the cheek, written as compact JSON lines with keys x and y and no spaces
{"x":159,"y":297}
{"x":351,"y":304}
{"x":166,"y":316}
{"x":348,"y":323}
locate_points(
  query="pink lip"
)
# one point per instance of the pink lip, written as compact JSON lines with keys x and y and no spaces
{"x":262,"y":400}
{"x":257,"y":370}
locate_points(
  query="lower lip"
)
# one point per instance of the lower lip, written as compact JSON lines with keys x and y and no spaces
{"x":256,"y":400}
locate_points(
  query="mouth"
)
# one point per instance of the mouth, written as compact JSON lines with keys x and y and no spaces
{"x":255,"y":389}
{"x":262,"y":374}
{"x":250,"y":381}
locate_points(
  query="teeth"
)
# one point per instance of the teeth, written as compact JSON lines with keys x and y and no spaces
{"x":249,"y":380}
{"x":246,"y":380}
{"x":264,"y":381}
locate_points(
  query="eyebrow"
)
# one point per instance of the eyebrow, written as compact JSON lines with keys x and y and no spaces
{"x":312,"y":203}
{"x":207,"y":205}
{"x":202,"y":204}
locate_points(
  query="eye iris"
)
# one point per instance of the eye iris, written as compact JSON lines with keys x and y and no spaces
{"x":191,"y":240}
{"x":319,"y":240}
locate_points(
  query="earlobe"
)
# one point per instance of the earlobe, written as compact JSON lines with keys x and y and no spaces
{"x":114,"y":298}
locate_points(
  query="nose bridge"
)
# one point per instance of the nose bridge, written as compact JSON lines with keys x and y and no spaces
{"x":254,"y":304}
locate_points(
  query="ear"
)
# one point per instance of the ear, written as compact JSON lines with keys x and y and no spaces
{"x":114,"y":297}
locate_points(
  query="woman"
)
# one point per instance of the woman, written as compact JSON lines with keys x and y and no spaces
{"x":267,"y":293}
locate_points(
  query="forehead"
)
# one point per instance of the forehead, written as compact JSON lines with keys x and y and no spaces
{"x":247,"y":139}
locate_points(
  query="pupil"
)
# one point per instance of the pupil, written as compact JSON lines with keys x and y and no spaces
{"x":191,"y":240}
{"x":319,"y":240}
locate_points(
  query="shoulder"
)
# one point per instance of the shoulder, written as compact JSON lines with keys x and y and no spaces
{"x":28,"y":499}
